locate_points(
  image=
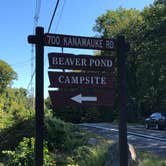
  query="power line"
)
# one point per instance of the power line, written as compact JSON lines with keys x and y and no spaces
{"x":37,"y":12}
{"x":60,"y":15}
{"x":21,"y":62}
{"x":36,"y":17}
{"x":54,"y":16}
{"x":31,"y":79}
{"x":56,"y":6}
{"x":35,"y":22}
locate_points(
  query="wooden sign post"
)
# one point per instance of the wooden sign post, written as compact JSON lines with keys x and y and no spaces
{"x":76,"y":79}
{"x":38,"y":39}
{"x":122,"y":47}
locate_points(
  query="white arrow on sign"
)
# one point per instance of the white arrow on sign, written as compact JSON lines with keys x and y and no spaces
{"x":79,"y":98}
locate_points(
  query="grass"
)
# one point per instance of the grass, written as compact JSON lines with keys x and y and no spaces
{"x":149,"y":159}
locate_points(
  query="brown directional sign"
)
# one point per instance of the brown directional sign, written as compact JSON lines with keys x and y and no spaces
{"x":80,"y":62}
{"x":58,"y":40}
{"x":81,"y":98}
{"x":75,"y":79}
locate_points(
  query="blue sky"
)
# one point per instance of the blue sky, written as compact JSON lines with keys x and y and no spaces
{"x":77,"y":18}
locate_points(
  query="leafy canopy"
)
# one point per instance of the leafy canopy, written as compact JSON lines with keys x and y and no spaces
{"x":7,"y":74}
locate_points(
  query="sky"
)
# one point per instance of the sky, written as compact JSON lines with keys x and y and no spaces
{"x":73,"y":17}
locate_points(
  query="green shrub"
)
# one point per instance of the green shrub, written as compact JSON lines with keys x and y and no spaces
{"x":62,"y":136}
{"x":76,"y":139}
{"x":91,"y":156}
{"x":6,"y":120}
{"x":24,"y":154}
{"x":67,"y":145}
{"x":148,"y":159}
{"x":10,"y":137}
{"x":56,"y":132}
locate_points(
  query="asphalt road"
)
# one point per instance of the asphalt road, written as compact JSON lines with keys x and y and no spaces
{"x":149,"y":140}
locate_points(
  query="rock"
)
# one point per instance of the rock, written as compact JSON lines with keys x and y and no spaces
{"x":132,"y":153}
{"x":113,"y":155}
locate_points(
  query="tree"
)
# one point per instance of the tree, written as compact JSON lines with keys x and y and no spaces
{"x":117,"y":22}
{"x":157,"y":2}
{"x":7,"y":74}
{"x":146,"y":64}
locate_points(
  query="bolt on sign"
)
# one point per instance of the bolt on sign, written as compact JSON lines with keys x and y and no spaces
{"x":83,"y":62}
{"x":58,"y":40}
{"x":75,"y":79}
{"x":80,"y":62}
{"x":85,"y":98}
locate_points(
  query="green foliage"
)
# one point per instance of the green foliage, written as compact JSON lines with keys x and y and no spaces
{"x":24,"y":154}
{"x":116,"y":22}
{"x":84,"y":155}
{"x":14,"y":107}
{"x":7,"y":74}
{"x":6,"y":120}
{"x":56,"y":133}
{"x":11,"y":136}
{"x":67,"y":144}
{"x":62,"y":136}
{"x":148,"y":159}
{"x":69,"y":114}
{"x":146,"y":64}
{"x":85,"y":114}
{"x":47,"y":103}
{"x":14,"y":103}
{"x":156,"y":2}
{"x":90,"y":156}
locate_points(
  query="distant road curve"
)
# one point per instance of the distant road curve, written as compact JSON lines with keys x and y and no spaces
{"x":149,"y":140}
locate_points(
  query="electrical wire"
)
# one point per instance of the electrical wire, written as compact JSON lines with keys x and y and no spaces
{"x":60,"y":15}
{"x":36,"y":17}
{"x":22,"y":62}
{"x":35,"y":22}
{"x":37,"y":12}
{"x":53,"y":15}
{"x":31,"y":79}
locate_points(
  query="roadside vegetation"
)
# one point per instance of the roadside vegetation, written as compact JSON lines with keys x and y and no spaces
{"x":65,"y":144}
{"x":148,"y":159}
